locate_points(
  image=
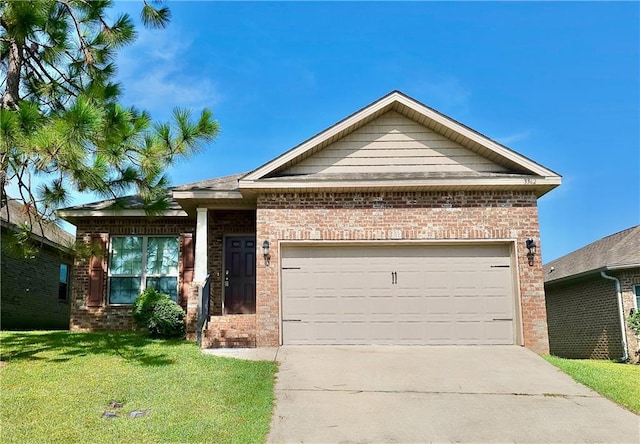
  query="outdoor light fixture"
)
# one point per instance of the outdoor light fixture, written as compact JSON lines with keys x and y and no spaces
{"x":265,"y":252}
{"x":531,"y":246}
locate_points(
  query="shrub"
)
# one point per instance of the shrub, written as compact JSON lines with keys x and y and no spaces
{"x":159,"y":314}
{"x":634,"y":321}
{"x":143,"y":306}
{"x":167,"y":320}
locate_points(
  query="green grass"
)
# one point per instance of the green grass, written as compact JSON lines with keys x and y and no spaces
{"x":55,"y":386}
{"x":618,"y":382}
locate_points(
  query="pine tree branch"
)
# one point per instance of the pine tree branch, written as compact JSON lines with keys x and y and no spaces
{"x":82,"y":41}
{"x":44,"y":70}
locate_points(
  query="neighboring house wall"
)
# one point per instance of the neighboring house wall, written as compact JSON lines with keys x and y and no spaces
{"x":400,"y":216}
{"x":110,"y":317}
{"x":628,"y":280}
{"x":30,"y":288}
{"x":583,"y":317}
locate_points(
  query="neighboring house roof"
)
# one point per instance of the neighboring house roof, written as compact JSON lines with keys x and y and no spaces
{"x":617,"y":251}
{"x":15,"y":213}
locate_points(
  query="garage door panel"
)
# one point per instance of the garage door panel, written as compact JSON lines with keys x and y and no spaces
{"x":497,"y":331}
{"x":442,"y":295}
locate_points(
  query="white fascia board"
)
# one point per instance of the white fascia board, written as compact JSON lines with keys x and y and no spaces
{"x":207,"y":195}
{"x":114,"y":213}
{"x":532,"y":181}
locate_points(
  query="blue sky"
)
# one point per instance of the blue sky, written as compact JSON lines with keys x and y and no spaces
{"x":557,"y":82}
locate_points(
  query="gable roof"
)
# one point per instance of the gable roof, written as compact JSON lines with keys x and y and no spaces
{"x":516,"y":166}
{"x":15,"y":213}
{"x":617,"y":251}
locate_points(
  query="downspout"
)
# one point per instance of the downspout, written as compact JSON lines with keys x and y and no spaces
{"x":625,"y":356}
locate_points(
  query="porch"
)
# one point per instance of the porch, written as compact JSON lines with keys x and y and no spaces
{"x":222,"y":305}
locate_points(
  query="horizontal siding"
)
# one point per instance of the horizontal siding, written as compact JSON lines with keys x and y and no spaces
{"x":394,"y":143}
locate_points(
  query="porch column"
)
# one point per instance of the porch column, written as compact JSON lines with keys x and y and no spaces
{"x":200,"y":267}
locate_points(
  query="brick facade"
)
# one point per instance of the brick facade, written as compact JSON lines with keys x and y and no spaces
{"x":29,"y":289}
{"x":221,"y":224}
{"x":400,"y":216}
{"x":583,"y":317}
{"x":406,"y":216}
{"x":628,"y":280}
{"x":109,"y":317}
{"x":230,"y":331}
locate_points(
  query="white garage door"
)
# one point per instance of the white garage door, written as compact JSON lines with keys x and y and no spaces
{"x":457,"y":294}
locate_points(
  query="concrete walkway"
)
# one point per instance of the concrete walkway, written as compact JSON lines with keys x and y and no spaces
{"x":436,"y":394}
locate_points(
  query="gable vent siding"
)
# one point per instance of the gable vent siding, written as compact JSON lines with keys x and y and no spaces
{"x":97,"y":270}
{"x":187,"y":265}
{"x":395,"y":144}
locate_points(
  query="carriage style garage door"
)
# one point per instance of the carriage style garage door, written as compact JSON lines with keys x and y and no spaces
{"x":453,"y":294}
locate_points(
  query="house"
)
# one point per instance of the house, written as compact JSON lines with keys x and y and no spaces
{"x":589,"y":293}
{"x":396,"y":225}
{"x":34,"y":291}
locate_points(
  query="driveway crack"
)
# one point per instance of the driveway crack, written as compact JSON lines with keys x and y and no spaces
{"x":435,"y":392}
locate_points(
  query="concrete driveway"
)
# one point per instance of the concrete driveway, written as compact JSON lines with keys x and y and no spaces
{"x":437,"y":394}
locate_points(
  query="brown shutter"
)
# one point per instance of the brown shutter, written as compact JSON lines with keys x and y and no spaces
{"x":187,"y":261}
{"x":97,"y":269}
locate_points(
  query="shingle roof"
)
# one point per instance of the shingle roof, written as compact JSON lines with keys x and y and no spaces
{"x":127,"y":202}
{"x":618,"y":250}
{"x":16,"y":213}
{"x":225,"y":183}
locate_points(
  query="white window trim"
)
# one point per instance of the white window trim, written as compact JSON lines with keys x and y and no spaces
{"x":636,"y":295}
{"x":143,"y":276}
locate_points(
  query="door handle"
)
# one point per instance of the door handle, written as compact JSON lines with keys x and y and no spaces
{"x":394,"y":277}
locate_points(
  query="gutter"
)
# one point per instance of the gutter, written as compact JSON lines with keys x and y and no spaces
{"x":625,"y":355}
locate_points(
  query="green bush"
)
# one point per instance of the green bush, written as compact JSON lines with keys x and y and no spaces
{"x":143,"y":306}
{"x":634,"y":321}
{"x":167,"y":320}
{"x":159,"y":314}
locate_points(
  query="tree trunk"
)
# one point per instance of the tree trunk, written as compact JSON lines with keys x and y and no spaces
{"x":11,"y":94}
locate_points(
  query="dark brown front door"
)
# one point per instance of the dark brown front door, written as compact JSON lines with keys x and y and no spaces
{"x":240,"y":275}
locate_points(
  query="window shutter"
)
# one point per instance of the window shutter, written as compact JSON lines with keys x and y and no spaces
{"x":187,"y":262}
{"x":97,"y":269}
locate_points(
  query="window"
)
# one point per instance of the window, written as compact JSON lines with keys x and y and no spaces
{"x":63,"y":282}
{"x":637,"y":288}
{"x":139,"y":262}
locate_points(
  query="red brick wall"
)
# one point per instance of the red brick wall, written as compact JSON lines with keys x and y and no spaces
{"x":230,"y":331}
{"x":628,"y":280}
{"x":401,"y":216}
{"x":109,"y":317}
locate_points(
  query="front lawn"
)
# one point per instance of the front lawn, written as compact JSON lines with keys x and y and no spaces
{"x":618,"y":382}
{"x":56,"y":386}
